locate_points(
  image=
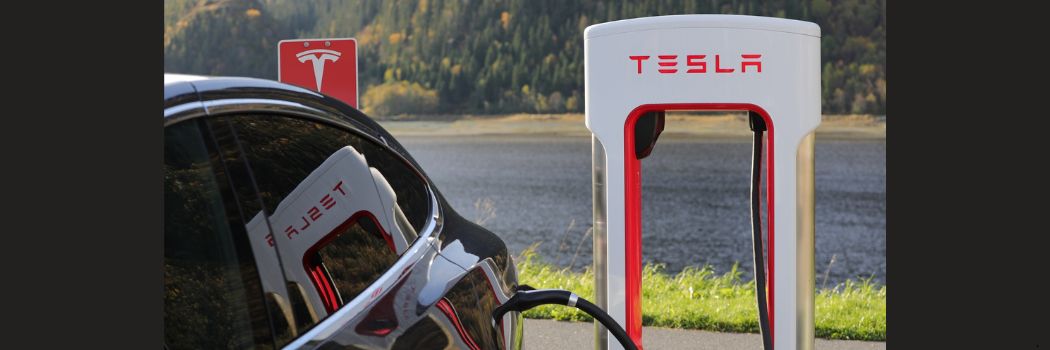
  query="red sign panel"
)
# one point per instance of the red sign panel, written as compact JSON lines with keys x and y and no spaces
{"x":325,"y":65}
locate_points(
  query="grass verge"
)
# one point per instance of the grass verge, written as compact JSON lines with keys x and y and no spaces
{"x":697,"y":298}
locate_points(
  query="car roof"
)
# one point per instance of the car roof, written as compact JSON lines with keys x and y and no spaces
{"x":171,"y":78}
{"x":184,"y":88}
{"x":177,"y":86}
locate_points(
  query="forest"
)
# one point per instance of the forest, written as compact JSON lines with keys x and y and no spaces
{"x":494,"y":56}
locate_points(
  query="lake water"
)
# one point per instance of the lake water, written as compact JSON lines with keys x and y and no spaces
{"x":695,"y":199}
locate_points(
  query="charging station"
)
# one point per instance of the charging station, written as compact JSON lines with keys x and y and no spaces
{"x":639,"y":68}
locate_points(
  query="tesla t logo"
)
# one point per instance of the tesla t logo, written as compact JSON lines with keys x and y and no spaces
{"x":668,"y":64}
{"x":328,"y":66}
{"x":318,"y":58}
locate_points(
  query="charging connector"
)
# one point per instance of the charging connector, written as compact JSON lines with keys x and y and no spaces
{"x":527,"y":299}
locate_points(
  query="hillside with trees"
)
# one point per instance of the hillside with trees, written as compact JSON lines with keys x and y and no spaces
{"x":494,"y":56}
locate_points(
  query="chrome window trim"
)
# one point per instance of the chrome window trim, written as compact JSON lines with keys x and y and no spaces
{"x":250,"y":105}
{"x":423,"y":243}
{"x":183,"y":111}
{"x":197,"y":109}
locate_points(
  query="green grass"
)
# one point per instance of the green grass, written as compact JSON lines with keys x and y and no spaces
{"x":697,"y":298}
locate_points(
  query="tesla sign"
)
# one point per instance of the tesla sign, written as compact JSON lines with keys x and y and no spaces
{"x":328,"y":66}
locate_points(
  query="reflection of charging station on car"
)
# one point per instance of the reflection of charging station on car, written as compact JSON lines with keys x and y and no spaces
{"x":316,"y":213}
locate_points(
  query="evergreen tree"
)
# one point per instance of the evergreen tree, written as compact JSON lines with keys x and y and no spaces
{"x":498,"y":56}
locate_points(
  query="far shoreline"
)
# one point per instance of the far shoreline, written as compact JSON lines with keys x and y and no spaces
{"x":719,"y":127}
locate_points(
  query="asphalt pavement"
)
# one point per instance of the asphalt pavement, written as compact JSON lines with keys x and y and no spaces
{"x":552,"y":335}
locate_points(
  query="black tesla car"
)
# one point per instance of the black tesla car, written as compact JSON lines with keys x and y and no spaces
{"x":292,"y":220}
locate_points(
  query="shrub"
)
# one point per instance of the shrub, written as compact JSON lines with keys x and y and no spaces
{"x":400,"y":97}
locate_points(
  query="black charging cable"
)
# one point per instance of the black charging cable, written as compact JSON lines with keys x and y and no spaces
{"x":758,"y":126}
{"x":530,"y":298}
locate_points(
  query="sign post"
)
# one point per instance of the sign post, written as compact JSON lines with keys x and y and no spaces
{"x":328,"y":66}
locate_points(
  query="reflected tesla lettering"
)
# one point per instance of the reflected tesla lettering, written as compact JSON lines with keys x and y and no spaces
{"x":314,"y":213}
{"x":327,"y":201}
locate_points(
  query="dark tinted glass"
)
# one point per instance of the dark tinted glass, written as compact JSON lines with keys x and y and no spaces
{"x":213,"y":298}
{"x":342,"y":208}
{"x":361,"y":240}
{"x":282,"y":150}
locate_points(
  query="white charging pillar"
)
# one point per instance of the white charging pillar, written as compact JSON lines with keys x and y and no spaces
{"x":769,"y":66}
